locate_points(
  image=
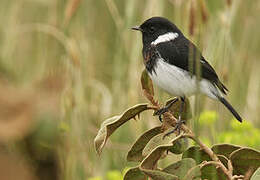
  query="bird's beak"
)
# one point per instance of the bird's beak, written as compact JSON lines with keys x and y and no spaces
{"x":137,"y":28}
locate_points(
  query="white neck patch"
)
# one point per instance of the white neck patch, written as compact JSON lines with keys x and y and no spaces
{"x":165,"y":38}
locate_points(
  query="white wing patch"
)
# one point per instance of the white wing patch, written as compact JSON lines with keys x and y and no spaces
{"x":165,"y":38}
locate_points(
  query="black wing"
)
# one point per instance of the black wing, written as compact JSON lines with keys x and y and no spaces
{"x":184,"y":54}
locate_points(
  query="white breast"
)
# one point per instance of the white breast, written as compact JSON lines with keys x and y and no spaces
{"x":179,"y":82}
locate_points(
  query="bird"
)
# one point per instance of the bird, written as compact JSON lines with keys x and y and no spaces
{"x":177,"y":66}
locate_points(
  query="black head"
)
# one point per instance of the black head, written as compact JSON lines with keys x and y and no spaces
{"x":154,"y":27}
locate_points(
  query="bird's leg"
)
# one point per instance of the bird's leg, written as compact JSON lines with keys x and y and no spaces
{"x":180,"y":121}
{"x":161,"y":111}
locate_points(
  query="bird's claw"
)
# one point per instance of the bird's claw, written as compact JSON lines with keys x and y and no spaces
{"x":177,"y":127}
{"x":160,"y":112}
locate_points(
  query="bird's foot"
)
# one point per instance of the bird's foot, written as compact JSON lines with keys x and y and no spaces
{"x":177,"y":127}
{"x":161,"y":111}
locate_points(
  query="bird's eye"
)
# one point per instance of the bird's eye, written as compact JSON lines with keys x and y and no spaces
{"x":152,"y":29}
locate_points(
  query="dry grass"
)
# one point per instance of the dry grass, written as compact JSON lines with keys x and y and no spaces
{"x":80,"y":63}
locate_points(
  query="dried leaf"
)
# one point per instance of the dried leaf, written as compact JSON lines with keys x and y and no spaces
{"x":147,"y":84}
{"x":147,"y":87}
{"x":135,"y":153}
{"x":111,"y":124}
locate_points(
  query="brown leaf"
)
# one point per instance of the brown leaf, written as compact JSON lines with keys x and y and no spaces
{"x":135,"y":153}
{"x":147,"y":87}
{"x":111,"y":124}
{"x":147,"y":83}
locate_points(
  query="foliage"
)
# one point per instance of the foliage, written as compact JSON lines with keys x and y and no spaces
{"x":221,"y":162}
{"x":65,"y":65}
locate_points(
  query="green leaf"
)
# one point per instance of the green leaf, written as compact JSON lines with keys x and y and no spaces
{"x":197,"y":154}
{"x":135,"y":153}
{"x":180,"y":146}
{"x":256,"y":175}
{"x":159,"y":175}
{"x":244,"y":159}
{"x":209,"y":171}
{"x":111,"y":124}
{"x":224,"y":160}
{"x":193,"y":174}
{"x":157,"y":141}
{"x":224,"y":149}
{"x":149,"y":164}
{"x":135,"y":173}
{"x":181,"y":167}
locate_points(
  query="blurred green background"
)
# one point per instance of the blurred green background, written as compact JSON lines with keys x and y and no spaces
{"x":66,"y":66}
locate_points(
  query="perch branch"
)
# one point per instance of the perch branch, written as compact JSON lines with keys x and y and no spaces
{"x":171,"y":120}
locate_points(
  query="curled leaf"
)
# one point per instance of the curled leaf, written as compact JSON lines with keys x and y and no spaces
{"x":111,"y":124}
{"x":148,"y":165}
{"x":210,"y":171}
{"x":193,"y":174}
{"x":197,"y":154}
{"x":180,"y":168}
{"x":135,"y":173}
{"x":256,"y":175}
{"x":147,"y":84}
{"x":135,"y":153}
{"x":224,"y":149}
{"x":157,"y":141}
{"x":159,"y":175}
{"x":244,"y":159}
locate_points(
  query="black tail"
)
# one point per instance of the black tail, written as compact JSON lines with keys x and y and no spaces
{"x":230,"y":108}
